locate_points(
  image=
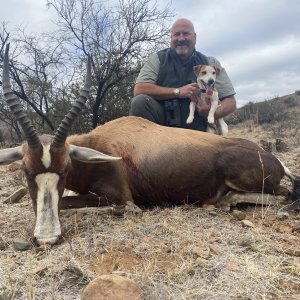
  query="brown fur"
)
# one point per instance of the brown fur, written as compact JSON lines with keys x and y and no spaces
{"x":162,"y":164}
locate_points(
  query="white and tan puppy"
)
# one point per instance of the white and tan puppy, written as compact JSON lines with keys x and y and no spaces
{"x":206,"y":77}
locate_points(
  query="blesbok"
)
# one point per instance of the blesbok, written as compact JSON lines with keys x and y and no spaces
{"x":145,"y":163}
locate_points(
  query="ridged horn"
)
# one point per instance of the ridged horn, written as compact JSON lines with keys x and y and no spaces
{"x":65,"y":125}
{"x":14,"y":104}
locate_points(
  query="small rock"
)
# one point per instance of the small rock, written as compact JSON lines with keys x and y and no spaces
{"x":15,"y":166}
{"x":292,"y":251}
{"x":296,"y":227}
{"x":282,"y":215}
{"x":289,"y":249}
{"x":296,"y":297}
{"x":231,"y":266}
{"x":283,"y":228}
{"x":21,"y":244}
{"x":191,"y":271}
{"x":132,"y":209}
{"x":39,"y":271}
{"x":201,"y":262}
{"x":209,"y":207}
{"x":6,"y":294}
{"x":2,"y":246}
{"x":243,"y":242}
{"x":214,"y":250}
{"x":254,"y":247}
{"x":247,"y":223}
{"x":121,"y":273}
{"x":247,"y":243}
{"x":213,"y":213}
{"x":295,"y":206}
{"x":201,"y":252}
{"x":43,"y":247}
{"x":239,"y":215}
{"x":112,"y":287}
{"x":69,"y":213}
{"x":297,"y":252}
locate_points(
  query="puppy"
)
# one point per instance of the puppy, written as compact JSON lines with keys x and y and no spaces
{"x":206,"y":77}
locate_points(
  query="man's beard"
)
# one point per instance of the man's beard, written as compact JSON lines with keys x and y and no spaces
{"x":182,"y":49}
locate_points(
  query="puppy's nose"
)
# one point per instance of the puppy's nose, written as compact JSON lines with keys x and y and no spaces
{"x":210,"y":81}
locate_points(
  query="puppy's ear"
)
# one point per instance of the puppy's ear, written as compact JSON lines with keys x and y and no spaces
{"x":197,"y":69}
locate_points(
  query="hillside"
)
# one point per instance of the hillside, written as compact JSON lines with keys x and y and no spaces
{"x":269,"y":120}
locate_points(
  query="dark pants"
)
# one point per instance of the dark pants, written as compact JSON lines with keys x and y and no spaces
{"x":159,"y":112}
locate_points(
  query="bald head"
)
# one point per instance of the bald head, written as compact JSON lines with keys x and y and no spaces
{"x":183,"y":22}
{"x":183,"y":38}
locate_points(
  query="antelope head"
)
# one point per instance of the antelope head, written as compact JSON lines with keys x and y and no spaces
{"x":47,"y":161}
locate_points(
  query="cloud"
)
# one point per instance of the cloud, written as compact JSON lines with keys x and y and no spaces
{"x":257,"y":41}
{"x":31,"y":14}
{"x":269,"y":69}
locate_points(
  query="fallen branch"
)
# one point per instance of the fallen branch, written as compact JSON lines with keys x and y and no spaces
{"x":16,"y":196}
{"x":118,"y":210}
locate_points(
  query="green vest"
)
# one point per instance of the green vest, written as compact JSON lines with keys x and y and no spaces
{"x":172,"y":73}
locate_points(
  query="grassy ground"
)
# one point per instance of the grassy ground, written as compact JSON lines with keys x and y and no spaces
{"x":171,"y":252}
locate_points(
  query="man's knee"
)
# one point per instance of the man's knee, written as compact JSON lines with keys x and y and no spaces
{"x":138,"y":105}
{"x":148,"y":108}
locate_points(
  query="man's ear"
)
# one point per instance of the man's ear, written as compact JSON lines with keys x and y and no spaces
{"x":197,"y":69}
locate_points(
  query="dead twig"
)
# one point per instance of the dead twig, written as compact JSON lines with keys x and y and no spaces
{"x":16,"y":196}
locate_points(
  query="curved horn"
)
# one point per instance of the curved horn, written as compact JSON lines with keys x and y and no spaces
{"x":64,"y":127}
{"x":15,"y":106}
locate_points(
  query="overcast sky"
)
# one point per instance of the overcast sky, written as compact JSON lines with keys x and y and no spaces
{"x":257,"y":41}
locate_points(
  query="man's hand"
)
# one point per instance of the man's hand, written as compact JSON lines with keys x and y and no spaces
{"x":202,"y":105}
{"x":190,"y":91}
{"x":226,"y":107}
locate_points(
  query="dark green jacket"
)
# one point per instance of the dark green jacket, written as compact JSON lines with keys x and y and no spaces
{"x":172,"y":73}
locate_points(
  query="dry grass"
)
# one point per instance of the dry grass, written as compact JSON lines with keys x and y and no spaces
{"x":172,"y":253}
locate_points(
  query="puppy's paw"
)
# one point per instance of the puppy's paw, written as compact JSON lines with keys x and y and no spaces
{"x":224,"y":129}
{"x":211,"y":120}
{"x":190,"y":120}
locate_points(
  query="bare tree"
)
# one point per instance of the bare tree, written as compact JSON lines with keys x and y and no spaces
{"x":45,"y":68}
{"x":31,"y":79}
{"x":118,"y":37}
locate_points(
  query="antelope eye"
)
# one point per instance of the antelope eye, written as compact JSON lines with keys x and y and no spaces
{"x":63,"y":173}
{"x":29,"y":175}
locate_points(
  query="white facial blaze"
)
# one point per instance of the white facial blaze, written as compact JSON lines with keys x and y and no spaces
{"x":46,"y":158}
{"x":47,"y":228}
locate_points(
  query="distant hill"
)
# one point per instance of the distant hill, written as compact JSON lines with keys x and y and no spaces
{"x":272,"y":120}
{"x":279,"y":109}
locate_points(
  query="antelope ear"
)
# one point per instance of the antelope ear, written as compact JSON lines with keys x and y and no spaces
{"x":10,"y":155}
{"x":89,"y":155}
{"x":197,"y":69}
